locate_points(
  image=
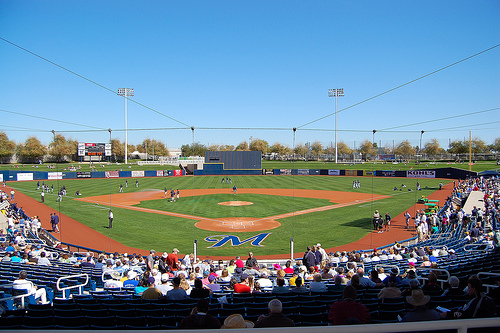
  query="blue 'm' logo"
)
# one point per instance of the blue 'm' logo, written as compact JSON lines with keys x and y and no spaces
{"x":235,"y":240}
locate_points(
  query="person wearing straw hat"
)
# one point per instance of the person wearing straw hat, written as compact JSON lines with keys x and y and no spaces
{"x":236,"y":321}
{"x":420,"y":311}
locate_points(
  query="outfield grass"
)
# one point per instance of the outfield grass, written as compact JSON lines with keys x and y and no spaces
{"x":148,"y":230}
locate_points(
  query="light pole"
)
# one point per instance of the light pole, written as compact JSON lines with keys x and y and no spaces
{"x":336,"y":93}
{"x":126,"y":92}
{"x":420,"y":147}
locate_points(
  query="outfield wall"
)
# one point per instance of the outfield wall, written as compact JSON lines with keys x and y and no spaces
{"x":218,"y":170}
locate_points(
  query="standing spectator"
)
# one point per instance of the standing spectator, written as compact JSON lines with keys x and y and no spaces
{"x":150,"y":260}
{"x":309,"y":258}
{"x":173,"y":260}
{"x":276,"y":316}
{"x":251,"y":261}
{"x":348,"y":309}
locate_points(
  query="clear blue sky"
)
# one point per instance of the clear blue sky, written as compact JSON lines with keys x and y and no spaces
{"x":251,"y":64}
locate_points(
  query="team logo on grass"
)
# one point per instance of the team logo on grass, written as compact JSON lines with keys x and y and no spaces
{"x":221,"y":240}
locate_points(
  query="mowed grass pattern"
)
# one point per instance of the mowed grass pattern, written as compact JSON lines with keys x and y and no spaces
{"x":208,"y":205}
{"x":148,"y":230}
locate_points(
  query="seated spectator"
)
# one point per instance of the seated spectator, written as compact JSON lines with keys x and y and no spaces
{"x":288,"y":269}
{"x":243,"y":286}
{"x":43,"y":261}
{"x":114,"y":282}
{"x":257,"y":289}
{"x":212,"y":283}
{"x":374,"y":276}
{"x":199,"y":290}
{"x":185,"y":285}
{"x":264,"y":281}
{"x":200,"y":318}
{"x":481,"y":306}
{"x":280,"y":288}
{"x":326,"y":275}
{"x":276,"y":317}
{"x":225,"y":276}
{"x":410,"y":276}
{"x":299,"y":287}
{"x":132,"y":280}
{"x":394,"y":273}
{"x":165,"y":286}
{"x":317,"y":285}
{"x":87,"y":262}
{"x":420,"y":311}
{"x":15,"y":257}
{"x":431,"y":287}
{"x":348,"y":308}
{"x":453,"y":289}
{"x":236,"y":321}
{"x":23,"y":284}
{"x":152,"y":292}
{"x":338,"y":286}
{"x":391,"y":291}
{"x":177,"y":293}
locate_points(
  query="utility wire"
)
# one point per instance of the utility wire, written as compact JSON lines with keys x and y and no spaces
{"x":445,"y":118}
{"x":89,"y":80}
{"x":49,"y":119}
{"x":402,"y":85}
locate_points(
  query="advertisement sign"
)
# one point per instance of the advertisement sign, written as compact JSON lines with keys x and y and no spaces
{"x":421,"y":174}
{"x":285,"y":171}
{"x":54,"y":175}
{"x":159,"y":173}
{"x":334,"y":172}
{"x":387,"y":157}
{"x":138,"y":173}
{"x":24,"y":176}
{"x":1,"y":177}
{"x":112,"y":174}
{"x":83,"y":174}
{"x":351,"y":172}
{"x":388,"y":173}
{"x":177,"y":173}
{"x":303,"y":172}
{"x":267,"y":171}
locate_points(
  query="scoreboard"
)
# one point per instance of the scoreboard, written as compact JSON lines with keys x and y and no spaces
{"x":94,"y":149}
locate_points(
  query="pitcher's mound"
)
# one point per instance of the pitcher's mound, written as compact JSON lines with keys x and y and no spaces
{"x":235,"y":203}
{"x":238,"y":224}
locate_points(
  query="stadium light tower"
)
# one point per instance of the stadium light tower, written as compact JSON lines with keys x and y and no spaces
{"x":126,"y":92}
{"x":336,"y":93}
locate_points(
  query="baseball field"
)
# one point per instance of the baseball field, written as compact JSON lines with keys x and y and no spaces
{"x":264,"y":214}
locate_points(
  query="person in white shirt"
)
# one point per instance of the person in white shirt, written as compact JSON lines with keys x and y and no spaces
{"x":22,"y":283}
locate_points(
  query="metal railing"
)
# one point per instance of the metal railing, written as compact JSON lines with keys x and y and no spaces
{"x":79,"y":286}
{"x":488,"y":286}
{"x":440,"y":279}
{"x":21,"y":296}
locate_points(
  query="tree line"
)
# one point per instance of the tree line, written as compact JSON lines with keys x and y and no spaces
{"x":60,"y":149}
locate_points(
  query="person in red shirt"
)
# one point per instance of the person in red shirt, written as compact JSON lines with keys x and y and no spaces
{"x":239,"y":263}
{"x":243,"y":286}
{"x":288,"y":269}
{"x":348,"y":310}
{"x":173,"y":260}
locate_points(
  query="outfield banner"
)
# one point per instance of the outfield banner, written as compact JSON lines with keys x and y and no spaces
{"x":387,"y":157}
{"x":267,"y":171}
{"x":137,"y":174}
{"x":314,"y":172}
{"x":24,"y":176}
{"x":54,"y":175}
{"x":83,"y":174}
{"x":421,"y":174}
{"x":351,"y":172}
{"x":1,"y":177}
{"x":177,"y":173}
{"x":166,"y":173}
{"x":303,"y":172}
{"x":334,"y":172}
{"x":387,"y":173}
{"x":285,"y":171}
{"x":112,"y":174}
{"x":159,"y":173}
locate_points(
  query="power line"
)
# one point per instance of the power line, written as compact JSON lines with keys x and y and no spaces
{"x":402,"y":85}
{"x":49,"y":119}
{"x":444,"y":118}
{"x":89,"y":80}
